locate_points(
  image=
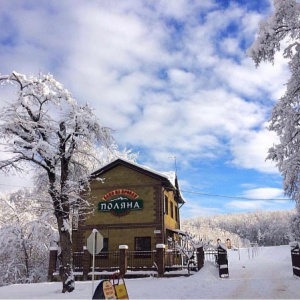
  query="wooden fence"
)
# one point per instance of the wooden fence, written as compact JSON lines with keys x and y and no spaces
{"x":159,"y":261}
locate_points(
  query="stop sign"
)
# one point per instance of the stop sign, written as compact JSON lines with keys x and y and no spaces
{"x":98,"y":242}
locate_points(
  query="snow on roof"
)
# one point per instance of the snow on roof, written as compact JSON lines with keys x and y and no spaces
{"x":170,"y":176}
{"x":181,"y":232}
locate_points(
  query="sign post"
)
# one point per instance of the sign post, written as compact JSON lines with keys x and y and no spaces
{"x":94,"y":245}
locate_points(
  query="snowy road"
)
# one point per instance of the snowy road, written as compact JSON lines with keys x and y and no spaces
{"x":261,"y":274}
{"x":265,"y":275}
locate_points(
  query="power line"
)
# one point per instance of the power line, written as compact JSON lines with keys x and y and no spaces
{"x":195,"y":193}
{"x":235,"y":197}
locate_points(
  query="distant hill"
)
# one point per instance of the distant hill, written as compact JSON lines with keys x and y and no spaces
{"x":267,"y":228}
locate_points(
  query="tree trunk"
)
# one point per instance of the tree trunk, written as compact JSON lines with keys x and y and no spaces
{"x":63,"y":220}
{"x":26,"y":257}
{"x":61,"y":211}
{"x":66,"y":268}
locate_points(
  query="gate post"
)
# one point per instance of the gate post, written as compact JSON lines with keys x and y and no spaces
{"x":86,"y":263}
{"x":123,"y":259}
{"x":160,"y":259}
{"x":222,"y":262}
{"x":52,"y":262}
{"x":295,"y":253}
{"x":200,"y":257}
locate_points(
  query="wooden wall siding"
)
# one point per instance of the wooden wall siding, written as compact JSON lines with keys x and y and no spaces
{"x":141,"y":223}
{"x":124,"y":178}
{"x":171,"y":222}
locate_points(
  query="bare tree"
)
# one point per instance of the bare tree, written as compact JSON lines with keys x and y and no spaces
{"x":43,"y":126}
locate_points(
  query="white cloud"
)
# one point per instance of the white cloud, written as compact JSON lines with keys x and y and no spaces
{"x":250,"y":150}
{"x":231,"y":46}
{"x":182,"y":9}
{"x":246,"y":205}
{"x":265,"y":83}
{"x":264,"y":198}
{"x":194,"y":209}
{"x":264,"y":193}
{"x":166,"y":75}
{"x":181,"y":78}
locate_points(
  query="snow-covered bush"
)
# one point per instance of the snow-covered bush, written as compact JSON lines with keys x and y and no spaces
{"x":25,"y":228}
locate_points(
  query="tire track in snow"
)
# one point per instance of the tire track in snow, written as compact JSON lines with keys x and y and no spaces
{"x":261,"y":277}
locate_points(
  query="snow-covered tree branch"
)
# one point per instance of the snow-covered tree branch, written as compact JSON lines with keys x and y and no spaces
{"x":281,"y":31}
{"x":26,"y":224}
{"x":44,"y":127}
{"x":283,"y":24}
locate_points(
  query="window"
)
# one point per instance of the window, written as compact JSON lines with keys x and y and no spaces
{"x":172,"y":210}
{"x":176,"y":213}
{"x":166,"y":205}
{"x":105,"y":245}
{"x":142,"y":244}
{"x":171,"y":242}
{"x":104,"y":252}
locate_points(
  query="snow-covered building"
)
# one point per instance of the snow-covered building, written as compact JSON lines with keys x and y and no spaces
{"x":137,"y":212}
{"x":134,"y":206}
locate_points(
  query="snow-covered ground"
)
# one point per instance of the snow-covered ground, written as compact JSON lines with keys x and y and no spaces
{"x":262,"y":274}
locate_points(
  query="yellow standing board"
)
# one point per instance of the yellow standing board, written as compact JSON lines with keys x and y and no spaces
{"x":119,"y":286}
{"x":108,"y":290}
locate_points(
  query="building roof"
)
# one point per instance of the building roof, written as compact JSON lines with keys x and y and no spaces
{"x":168,"y":179}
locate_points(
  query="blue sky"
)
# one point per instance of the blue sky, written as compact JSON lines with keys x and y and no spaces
{"x":172,"y":78}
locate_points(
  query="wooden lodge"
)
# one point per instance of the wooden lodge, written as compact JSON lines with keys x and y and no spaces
{"x":137,"y":211}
